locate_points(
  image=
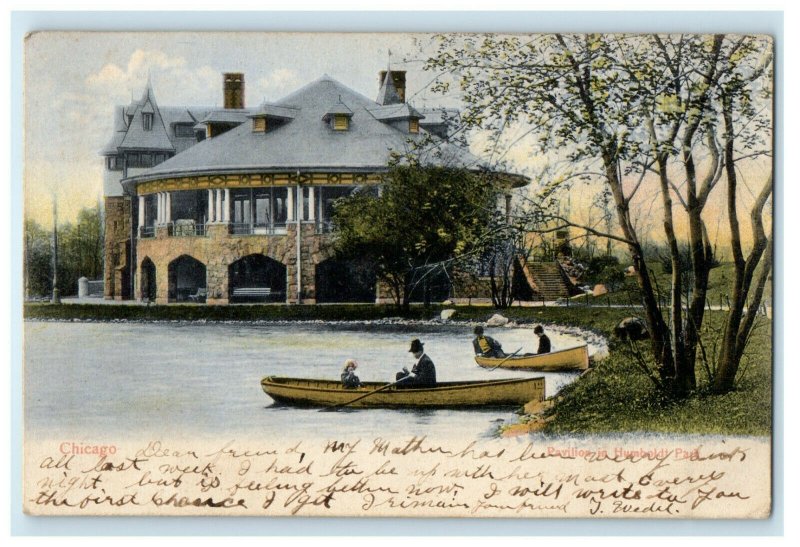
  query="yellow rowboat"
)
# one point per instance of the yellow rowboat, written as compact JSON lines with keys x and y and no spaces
{"x":554,"y":361}
{"x":305,"y":392}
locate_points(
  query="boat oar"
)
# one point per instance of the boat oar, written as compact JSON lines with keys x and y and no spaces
{"x":382,"y":388}
{"x":506,"y":359}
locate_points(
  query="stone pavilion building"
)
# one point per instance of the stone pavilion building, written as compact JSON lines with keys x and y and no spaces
{"x":234,"y":204}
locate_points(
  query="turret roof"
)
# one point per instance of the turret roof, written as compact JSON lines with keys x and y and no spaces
{"x":155,"y":138}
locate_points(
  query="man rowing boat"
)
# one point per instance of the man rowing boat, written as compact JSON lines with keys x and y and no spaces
{"x":486,"y":346}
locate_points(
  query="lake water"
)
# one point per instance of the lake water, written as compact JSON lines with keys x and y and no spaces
{"x":185,"y":379}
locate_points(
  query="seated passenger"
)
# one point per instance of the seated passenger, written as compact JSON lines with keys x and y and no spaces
{"x":423,"y":373}
{"x":349,"y":378}
{"x":544,"y":341}
{"x":486,"y":346}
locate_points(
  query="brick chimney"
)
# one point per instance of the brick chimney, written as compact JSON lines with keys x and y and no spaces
{"x":399,"y":81}
{"x":233,"y":87}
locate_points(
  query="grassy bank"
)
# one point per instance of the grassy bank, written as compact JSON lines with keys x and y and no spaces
{"x":617,"y":397}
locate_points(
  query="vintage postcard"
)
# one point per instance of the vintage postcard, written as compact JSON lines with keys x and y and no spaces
{"x":405,"y":275}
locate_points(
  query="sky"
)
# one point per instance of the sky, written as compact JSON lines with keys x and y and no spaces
{"x":73,"y":81}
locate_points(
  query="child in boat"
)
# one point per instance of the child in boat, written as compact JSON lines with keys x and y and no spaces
{"x":349,"y":378}
{"x":486,"y":345}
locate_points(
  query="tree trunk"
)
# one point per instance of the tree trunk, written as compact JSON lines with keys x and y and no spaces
{"x":406,"y":292}
{"x":739,"y":322}
{"x":659,"y":331}
{"x":681,"y":381}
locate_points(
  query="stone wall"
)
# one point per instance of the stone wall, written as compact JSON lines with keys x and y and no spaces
{"x":467,"y":286}
{"x":116,"y":247}
{"x":219,"y":249}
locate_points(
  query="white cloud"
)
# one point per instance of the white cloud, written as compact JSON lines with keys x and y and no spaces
{"x":276,"y":84}
{"x":174,"y":82}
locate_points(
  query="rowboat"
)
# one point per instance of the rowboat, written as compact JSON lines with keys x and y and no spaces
{"x":309,"y":392}
{"x":554,"y":361}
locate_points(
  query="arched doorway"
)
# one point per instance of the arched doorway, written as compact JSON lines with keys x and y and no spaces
{"x":187,"y":279}
{"x":345,"y":281}
{"x":148,"y":280}
{"x":256,"y":278}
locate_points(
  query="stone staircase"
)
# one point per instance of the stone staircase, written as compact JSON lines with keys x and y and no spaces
{"x":548,"y":280}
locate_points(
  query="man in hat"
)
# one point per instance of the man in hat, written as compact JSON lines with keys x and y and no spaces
{"x":486,"y":346}
{"x":423,"y":373}
{"x":544,"y":341}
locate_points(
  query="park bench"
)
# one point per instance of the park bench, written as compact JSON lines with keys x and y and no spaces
{"x":252,"y":292}
{"x":199,"y":296}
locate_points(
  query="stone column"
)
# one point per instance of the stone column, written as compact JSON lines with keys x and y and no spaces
{"x":162,"y":282}
{"x":311,"y":212}
{"x":210,"y":206}
{"x":218,"y":203}
{"x":290,"y":204}
{"x":159,"y":208}
{"x":167,"y":207}
{"x":141,"y":212}
{"x":226,"y":207}
{"x":298,"y":278}
{"x":217,"y":266}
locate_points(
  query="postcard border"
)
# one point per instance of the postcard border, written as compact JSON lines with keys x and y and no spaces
{"x":24,"y":22}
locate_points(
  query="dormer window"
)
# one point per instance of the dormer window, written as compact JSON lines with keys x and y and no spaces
{"x":338,"y":116}
{"x":260,"y":124}
{"x":272,"y":116}
{"x":147,"y":121}
{"x":341,"y":122}
{"x":402,"y":117}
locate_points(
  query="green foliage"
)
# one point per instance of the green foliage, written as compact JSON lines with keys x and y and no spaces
{"x":605,"y":269}
{"x":80,"y":254}
{"x":423,"y":220}
{"x":38,"y":267}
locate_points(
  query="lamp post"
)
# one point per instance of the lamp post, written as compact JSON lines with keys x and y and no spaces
{"x":55,"y":299}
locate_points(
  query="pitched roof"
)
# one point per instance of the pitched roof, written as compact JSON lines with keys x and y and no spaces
{"x":308,"y":143}
{"x":155,"y":138}
{"x":274,"y":111}
{"x":184,"y":116}
{"x":229,"y":115}
{"x":439,"y":115}
{"x":387,"y":94}
{"x":402,"y":111}
{"x":338,"y":108}
{"x":120,"y":128}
